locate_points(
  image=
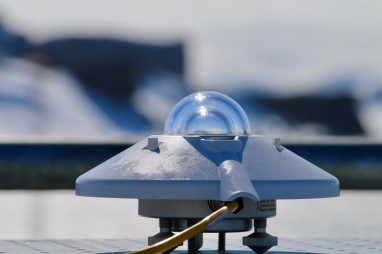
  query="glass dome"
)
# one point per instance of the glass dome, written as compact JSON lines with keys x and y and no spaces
{"x":207,"y":113}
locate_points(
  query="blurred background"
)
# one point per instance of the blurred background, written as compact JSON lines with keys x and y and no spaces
{"x":113,"y":69}
{"x":94,"y":68}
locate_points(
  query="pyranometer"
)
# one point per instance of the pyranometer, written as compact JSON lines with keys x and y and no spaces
{"x":207,"y":165}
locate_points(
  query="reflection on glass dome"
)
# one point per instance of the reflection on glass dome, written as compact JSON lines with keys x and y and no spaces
{"x":207,"y":113}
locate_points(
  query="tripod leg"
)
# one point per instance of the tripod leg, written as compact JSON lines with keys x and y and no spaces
{"x":221,"y":243}
{"x":196,"y":242}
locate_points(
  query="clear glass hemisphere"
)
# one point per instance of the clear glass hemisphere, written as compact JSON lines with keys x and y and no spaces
{"x":207,"y":113}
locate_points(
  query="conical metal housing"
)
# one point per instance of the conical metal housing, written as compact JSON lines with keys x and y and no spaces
{"x":207,"y":168}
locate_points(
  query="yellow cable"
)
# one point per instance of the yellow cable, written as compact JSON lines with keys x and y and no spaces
{"x":188,"y":233}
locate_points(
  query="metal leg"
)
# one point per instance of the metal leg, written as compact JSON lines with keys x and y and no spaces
{"x":195,"y":243}
{"x":164,"y":233}
{"x":260,"y":241}
{"x":221,"y":244}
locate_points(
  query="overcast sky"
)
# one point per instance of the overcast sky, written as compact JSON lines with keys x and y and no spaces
{"x":275,"y":44}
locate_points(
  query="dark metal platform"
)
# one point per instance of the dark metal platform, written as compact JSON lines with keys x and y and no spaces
{"x":43,"y":163}
{"x":286,"y":246}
